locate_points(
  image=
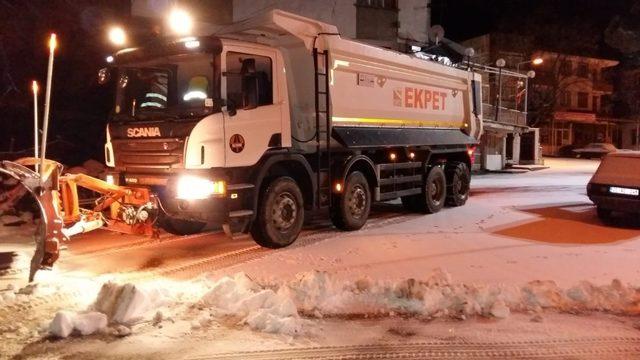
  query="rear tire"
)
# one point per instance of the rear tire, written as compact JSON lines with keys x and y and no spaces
{"x":179,"y":226}
{"x":280,"y":214}
{"x":350,"y":210}
{"x":434,"y":191}
{"x":458,"y":183}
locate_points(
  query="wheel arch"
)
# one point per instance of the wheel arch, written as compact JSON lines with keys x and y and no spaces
{"x":292,"y":165}
{"x":360,"y":163}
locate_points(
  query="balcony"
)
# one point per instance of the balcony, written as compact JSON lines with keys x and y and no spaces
{"x":505,"y":116}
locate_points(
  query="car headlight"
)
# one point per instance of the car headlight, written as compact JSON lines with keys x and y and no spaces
{"x":194,"y":188}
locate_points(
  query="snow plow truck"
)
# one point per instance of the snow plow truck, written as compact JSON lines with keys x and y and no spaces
{"x":278,"y":114}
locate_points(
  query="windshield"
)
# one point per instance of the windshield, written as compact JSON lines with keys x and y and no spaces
{"x":177,"y":86}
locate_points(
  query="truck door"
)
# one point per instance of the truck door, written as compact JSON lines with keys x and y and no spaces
{"x":249,"y":83}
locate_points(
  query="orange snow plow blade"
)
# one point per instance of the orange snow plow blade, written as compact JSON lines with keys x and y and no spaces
{"x":121,"y":208}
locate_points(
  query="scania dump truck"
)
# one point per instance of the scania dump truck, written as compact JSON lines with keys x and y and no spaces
{"x":279,"y":114}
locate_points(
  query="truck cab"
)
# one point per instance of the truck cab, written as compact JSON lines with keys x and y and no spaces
{"x":188,"y":109}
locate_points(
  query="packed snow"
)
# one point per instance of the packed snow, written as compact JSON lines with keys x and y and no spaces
{"x":287,"y":307}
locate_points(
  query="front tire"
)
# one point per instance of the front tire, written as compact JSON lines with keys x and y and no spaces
{"x":280,"y":214}
{"x":179,"y":226}
{"x":458,"y":183}
{"x":350,"y":210}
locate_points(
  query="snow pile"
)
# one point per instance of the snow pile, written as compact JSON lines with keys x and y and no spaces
{"x":128,"y":303}
{"x":281,"y":307}
{"x":319,"y":294}
{"x":64,"y":323}
{"x":261,"y":309}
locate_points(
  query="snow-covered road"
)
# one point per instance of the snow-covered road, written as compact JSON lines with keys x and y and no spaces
{"x":526,"y":263}
{"x":515,"y":228}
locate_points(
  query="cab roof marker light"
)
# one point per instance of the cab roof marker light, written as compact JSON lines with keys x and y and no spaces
{"x":194,"y":95}
{"x":192,"y":44}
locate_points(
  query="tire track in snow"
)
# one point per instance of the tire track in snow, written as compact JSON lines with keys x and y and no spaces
{"x":594,"y":348}
{"x":242,"y":256}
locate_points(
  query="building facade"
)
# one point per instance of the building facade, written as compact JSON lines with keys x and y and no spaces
{"x":507,"y":138}
{"x":394,"y":24}
{"x":626,"y":104}
{"x":579,"y":101}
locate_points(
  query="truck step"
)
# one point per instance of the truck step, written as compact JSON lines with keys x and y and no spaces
{"x":234,"y":187}
{"x":398,"y":166}
{"x":400,"y":180}
{"x":240,"y":213}
{"x":396,"y":194}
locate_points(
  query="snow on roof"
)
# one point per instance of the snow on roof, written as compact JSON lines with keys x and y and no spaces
{"x":633,"y":154}
{"x":276,"y":24}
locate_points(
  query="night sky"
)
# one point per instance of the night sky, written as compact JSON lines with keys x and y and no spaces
{"x":464,"y":19}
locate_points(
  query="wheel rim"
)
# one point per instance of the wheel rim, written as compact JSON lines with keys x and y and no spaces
{"x":357,"y":201}
{"x":284,"y":212}
{"x":460,"y":186}
{"x":435,"y":192}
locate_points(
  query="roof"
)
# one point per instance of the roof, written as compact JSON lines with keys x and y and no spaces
{"x":276,"y":25}
{"x":633,"y":154}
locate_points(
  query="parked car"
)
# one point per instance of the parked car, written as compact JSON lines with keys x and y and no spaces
{"x":595,"y":150}
{"x":615,"y":186}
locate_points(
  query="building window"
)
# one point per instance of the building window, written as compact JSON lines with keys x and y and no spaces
{"x":583,"y":100}
{"x":565,"y":98}
{"x":594,"y":75}
{"x":583,"y":70}
{"x":382,"y":4}
{"x":594,"y":103}
{"x":566,"y":67}
{"x":377,"y":20}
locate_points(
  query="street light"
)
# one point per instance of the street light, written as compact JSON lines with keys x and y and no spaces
{"x":180,"y":22}
{"x":536,"y":61}
{"x":117,"y":36}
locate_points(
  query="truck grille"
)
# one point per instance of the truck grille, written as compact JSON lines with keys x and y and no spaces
{"x":152,"y":153}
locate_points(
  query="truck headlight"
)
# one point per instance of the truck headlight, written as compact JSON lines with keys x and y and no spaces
{"x":194,"y":188}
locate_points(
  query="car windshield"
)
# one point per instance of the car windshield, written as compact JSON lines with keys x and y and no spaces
{"x":178,"y":86}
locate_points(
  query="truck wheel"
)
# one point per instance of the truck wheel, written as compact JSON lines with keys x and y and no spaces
{"x":458,"y":180}
{"x":179,"y":226}
{"x":350,"y":210}
{"x":280,"y":214}
{"x":434,"y":192}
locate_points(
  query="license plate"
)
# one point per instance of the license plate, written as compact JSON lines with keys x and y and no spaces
{"x":624,"y":191}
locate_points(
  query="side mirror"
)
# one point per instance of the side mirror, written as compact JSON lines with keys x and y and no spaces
{"x":104,"y":75}
{"x":250,"y":91}
{"x":231,"y":107}
{"x":249,"y":84}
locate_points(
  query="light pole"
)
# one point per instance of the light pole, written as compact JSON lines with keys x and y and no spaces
{"x":500,"y":63}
